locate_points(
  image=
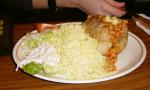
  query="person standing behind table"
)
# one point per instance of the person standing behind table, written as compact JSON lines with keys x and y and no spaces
{"x":92,"y":7}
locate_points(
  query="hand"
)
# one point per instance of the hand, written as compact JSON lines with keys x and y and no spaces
{"x":95,"y":7}
{"x":102,"y":7}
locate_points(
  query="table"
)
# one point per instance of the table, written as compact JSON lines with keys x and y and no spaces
{"x":139,"y":79}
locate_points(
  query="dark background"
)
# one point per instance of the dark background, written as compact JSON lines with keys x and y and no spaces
{"x":66,"y":14}
{"x":62,"y":14}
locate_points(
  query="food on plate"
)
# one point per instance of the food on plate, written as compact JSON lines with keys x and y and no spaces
{"x":43,"y":26}
{"x":112,"y":34}
{"x":67,"y":51}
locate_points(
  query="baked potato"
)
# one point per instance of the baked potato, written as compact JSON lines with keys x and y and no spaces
{"x":111,"y":33}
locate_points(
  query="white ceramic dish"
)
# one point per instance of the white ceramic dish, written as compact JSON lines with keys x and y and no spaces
{"x":128,"y":60}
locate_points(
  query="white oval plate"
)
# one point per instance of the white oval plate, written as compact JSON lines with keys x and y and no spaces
{"x":128,"y":60}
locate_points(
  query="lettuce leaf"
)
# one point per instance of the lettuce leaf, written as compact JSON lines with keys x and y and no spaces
{"x":33,"y":68}
{"x":32,"y":43}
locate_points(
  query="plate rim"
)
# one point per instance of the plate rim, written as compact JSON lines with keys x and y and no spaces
{"x":142,"y":58}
